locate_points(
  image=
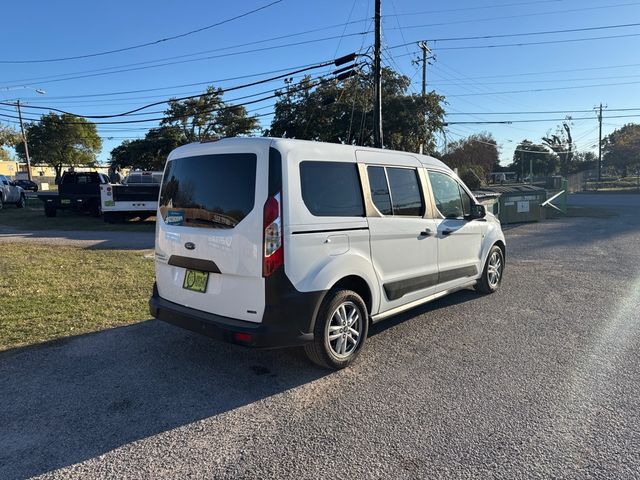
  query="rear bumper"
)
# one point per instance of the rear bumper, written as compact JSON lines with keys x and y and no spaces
{"x":275,"y":330}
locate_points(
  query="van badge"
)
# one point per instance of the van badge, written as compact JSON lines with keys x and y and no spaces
{"x":190,"y":246}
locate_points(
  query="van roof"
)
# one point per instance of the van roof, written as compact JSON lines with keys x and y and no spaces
{"x":288,"y":143}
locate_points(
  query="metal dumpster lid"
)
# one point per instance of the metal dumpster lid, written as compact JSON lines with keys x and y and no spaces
{"x":505,"y":189}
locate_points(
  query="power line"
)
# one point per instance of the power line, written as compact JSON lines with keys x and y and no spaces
{"x":544,"y":112}
{"x":502,"y":122}
{"x":521,"y":15}
{"x":208,"y":82}
{"x":525,"y":82}
{"x":175,"y":117}
{"x":243,"y":52}
{"x":546,"y":42}
{"x":215,"y":93}
{"x":141,"y":45}
{"x":481,"y":7}
{"x":546,"y":89}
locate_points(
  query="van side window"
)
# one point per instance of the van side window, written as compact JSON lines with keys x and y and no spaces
{"x":379,"y":190}
{"x":405,"y":192}
{"x":404,"y":199}
{"x":446,"y":192}
{"x":331,"y":189}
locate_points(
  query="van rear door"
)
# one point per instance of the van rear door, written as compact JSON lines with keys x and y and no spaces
{"x":209,"y":230}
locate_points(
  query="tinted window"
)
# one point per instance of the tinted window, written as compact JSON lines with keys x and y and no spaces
{"x":331,"y":189}
{"x":446,"y":192}
{"x":215,"y":191}
{"x":379,"y":190}
{"x":405,"y":192}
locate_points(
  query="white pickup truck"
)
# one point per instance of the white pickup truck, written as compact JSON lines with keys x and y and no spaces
{"x":11,"y":193}
{"x":137,"y":196}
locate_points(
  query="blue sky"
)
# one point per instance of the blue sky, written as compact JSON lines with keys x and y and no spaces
{"x":478,"y":82}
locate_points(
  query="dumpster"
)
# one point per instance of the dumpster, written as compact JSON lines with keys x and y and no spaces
{"x":519,"y":203}
{"x":490,"y":200}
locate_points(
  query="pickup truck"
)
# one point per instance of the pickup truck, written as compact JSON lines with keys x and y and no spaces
{"x":78,"y":191}
{"x":137,"y":196}
{"x":11,"y":193}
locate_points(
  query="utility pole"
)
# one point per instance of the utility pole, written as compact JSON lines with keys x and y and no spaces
{"x":377,"y":80}
{"x":24,"y":139}
{"x":425,"y":59}
{"x":425,"y":51}
{"x":600,"y":145}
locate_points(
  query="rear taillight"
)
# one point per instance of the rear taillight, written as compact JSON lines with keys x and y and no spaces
{"x":273,"y":248}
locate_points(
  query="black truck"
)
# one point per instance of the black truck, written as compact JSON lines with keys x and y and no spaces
{"x":78,"y":191}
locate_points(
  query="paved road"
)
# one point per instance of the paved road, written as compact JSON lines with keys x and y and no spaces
{"x":121,"y":240}
{"x":539,"y":380}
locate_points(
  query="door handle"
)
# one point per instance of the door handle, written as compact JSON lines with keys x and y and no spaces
{"x":426,"y":232}
{"x":447,"y":231}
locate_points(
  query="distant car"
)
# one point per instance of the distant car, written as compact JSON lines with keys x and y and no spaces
{"x":11,"y":193}
{"x":27,"y":185}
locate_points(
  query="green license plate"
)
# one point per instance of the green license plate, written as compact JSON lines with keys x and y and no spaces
{"x":195,"y":280}
{"x":65,"y":201}
{"x":109,"y":203}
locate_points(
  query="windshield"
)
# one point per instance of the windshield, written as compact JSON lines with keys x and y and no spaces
{"x":210,"y":191}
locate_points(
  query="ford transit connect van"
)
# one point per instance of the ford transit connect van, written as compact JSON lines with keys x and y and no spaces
{"x":275,"y":242}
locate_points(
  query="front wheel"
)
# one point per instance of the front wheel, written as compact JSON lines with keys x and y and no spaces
{"x":340,"y":331}
{"x":22,"y":202}
{"x":492,"y":273}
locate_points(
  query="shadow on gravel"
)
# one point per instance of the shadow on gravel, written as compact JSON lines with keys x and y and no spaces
{"x":456,"y":298}
{"x":68,"y":401}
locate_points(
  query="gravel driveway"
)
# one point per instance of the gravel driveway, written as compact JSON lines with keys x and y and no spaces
{"x":539,"y":380}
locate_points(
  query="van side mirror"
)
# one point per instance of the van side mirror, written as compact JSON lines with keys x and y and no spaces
{"x":478,"y":211}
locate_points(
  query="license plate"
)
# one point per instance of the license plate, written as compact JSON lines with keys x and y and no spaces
{"x":65,"y":201}
{"x":109,"y":203}
{"x":195,"y":281}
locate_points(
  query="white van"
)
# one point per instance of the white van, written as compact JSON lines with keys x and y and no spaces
{"x":270,"y":242}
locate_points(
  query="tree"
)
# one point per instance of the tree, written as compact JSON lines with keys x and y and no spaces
{"x":208,"y":116}
{"x":150,"y":152}
{"x":583,"y":161}
{"x":561,"y":143}
{"x":61,"y":140}
{"x":530,"y":155}
{"x":342,"y":112}
{"x":479,"y":150}
{"x":8,"y":138}
{"x":621,"y":149}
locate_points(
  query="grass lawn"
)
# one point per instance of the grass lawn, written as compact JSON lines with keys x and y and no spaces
{"x":32,"y":218}
{"x":48,"y":293}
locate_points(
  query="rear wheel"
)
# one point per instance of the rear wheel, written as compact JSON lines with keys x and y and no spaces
{"x":492,"y":273}
{"x":22,"y":202}
{"x":340,"y":330}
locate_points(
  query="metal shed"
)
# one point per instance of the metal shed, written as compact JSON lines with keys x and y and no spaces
{"x":519,"y":203}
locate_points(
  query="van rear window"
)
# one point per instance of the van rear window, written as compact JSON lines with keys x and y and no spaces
{"x":331,"y":189}
{"x":210,"y":191}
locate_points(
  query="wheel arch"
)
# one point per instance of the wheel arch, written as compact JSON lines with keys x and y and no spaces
{"x":359,"y":285}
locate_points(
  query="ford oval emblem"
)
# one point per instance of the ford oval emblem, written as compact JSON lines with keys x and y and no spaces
{"x":190,"y":246}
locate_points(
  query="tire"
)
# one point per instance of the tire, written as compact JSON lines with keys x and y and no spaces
{"x":50,"y":211}
{"x":1,"y":202}
{"x":336,"y":311}
{"x":493,"y":271}
{"x":22,"y":202}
